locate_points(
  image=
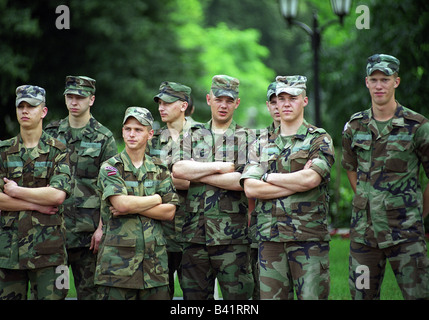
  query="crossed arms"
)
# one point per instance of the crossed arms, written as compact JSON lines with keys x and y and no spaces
{"x":149,"y":206}
{"x":218,"y":174}
{"x":44,"y":199}
{"x":279,"y":185}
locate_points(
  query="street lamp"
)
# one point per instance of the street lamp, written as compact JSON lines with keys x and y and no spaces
{"x":289,"y":10}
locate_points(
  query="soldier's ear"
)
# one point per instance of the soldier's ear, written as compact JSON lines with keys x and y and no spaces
{"x":91,"y":100}
{"x":397,"y":82}
{"x":44,"y":111}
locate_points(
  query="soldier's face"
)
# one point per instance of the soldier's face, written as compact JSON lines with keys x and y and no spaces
{"x":29,"y":116}
{"x":272,"y":108}
{"x":78,"y":105}
{"x":222,"y":107}
{"x":171,"y":111}
{"x":291,"y":107}
{"x":135,"y":134}
{"x":382,"y":87}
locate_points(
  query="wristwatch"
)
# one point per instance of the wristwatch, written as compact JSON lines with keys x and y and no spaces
{"x":264,"y":177}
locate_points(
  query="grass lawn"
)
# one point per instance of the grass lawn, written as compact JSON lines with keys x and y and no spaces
{"x":339,"y":264}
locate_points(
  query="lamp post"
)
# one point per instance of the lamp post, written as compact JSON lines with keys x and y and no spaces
{"x":289,"y":10}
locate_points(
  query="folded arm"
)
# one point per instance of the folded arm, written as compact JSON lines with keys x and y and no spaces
{"x":129,"y":204}
{"x":44,"y":196}
{"x":149,"y":206}
{"x":227,"y":181}
{"x":193,"y":170}
{"x":299,"y":181}
{"x":263,"y":190}
{"x":8,"y":203}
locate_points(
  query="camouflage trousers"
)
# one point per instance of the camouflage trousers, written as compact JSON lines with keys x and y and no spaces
{"x":14,"y":284}
{"x":255,"y":271}
{"x":409,"y":263}
{"x":113,"y":293}
{"x":230,"y":264}
{"x":82,"y":262}
{"x":288,"y":266}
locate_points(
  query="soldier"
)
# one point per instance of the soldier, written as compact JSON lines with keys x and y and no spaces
{"x":172,"y":99}
{"x":272,"y":106}
{"x":289,"y":180}
{"x":136,"y":193}
{"x":89,"y":144}
{"x":383,"y":148}
{"x":271,"y":103}
{"x":34,"y":181}
{"x":215,"y":230}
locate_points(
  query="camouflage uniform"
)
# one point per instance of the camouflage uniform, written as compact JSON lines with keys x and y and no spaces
{"x":387,"y":207}
{"x":163,"y":146}
{"x":133,"y":258}
{"x":32,"y":244}
{"x":215,"y":229}
{"x":88,"y":147}
{"x":292,"y":231}
{"x":263,"y":135}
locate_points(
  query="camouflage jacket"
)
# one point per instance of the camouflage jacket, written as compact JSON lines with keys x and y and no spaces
{"x":89,"y":147}
{"x":215,"y":216}
{"x":166,"y":149}
{"x":301,"y":216}
{"x":387,"y":206}
{"x":30,"y":239}
{"x":133,"y":249}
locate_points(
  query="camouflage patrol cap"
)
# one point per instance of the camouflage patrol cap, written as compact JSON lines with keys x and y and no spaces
{"x":80,"y":85}
{"x":142,"y":115}
{"x":383,"y":62}
{"x":294,"y":85}
{"x":34,"y":95}
{"x":271,"y":90}
{"x":173,"y":91}
{"x":223,"y":85}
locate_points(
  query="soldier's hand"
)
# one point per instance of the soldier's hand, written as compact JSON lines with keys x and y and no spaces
{"x":95,"y":240}
{"x":10,"y":187}
{"x":115,"y":212}
{"x":227,"y":167}
{"x":308,"y":164}
{"x":47,"y":209}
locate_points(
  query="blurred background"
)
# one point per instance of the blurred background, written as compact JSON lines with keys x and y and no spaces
{"x":130,"y":47}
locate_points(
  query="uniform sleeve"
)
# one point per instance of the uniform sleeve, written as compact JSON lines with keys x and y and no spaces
{"x":166,"y":188}
{"x":253,"y":168}
{"x":61,"y":177}
{"x":348,"y":160}
{"x":422,"y":146}
{"x":110,"y":149}
{"x":323,"y":156}
{"x":110,"y":182}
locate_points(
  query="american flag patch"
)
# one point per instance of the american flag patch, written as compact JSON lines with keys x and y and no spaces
{"x":111,"y":171}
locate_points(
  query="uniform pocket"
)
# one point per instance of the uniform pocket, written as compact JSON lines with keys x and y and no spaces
{"x":117,"y":256}
{"x":88,"y":161}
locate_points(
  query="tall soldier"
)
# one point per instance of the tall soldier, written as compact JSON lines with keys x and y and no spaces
{"x":215,"y":231}
{"x":34,"y":181}
{"x":290,"y":179}
{"x":166,"y":144}
{"x":383,"y":150}
{"x":137,"y":192}
{"x":90,"y":144}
